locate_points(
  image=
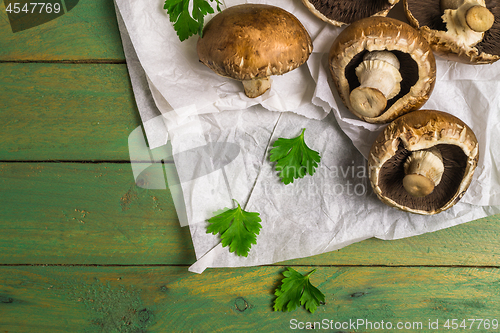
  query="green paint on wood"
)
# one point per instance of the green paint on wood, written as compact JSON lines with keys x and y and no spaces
{"x":473,"y":243}
{"x":111,"y":308}
{"x":66,"y":112}
{"x":94,"y":213}
{"x":87,"y":32}
{"x":161,"y":299}
{"x":86,"y":213}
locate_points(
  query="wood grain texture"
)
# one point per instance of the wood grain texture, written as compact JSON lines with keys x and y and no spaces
{"x":66,"y":112}
{"x":111,"y":256}
{"x":86,"y":213}
{"x":474,"y":243}
{"x":94,"y":213}
{"x":169,"y":299}
{"x":87,"y":32}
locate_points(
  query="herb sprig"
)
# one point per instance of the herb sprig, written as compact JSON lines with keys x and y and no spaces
{"x":238,"y":229}
{"x":294,"y":158}
{"x":295,"y":290}
{"x":186,"y":23}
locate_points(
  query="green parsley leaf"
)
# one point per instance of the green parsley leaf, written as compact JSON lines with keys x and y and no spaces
{"x":237,"y":228}
{"x":294,"y":158}
{"x":297,"y":289}
{"x":187,"y":24}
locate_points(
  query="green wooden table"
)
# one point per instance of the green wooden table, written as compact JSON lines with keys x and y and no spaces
{"x":83,"y":249}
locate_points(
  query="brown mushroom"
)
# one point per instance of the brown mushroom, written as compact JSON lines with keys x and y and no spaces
{"x":340,"y":12}
{"x":382,"y":68}
{"x":465,"y":31}
{"x":423,"y":162}
{"x":251,"y":42}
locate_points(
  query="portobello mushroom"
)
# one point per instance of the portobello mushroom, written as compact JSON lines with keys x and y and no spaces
{"x":251,"y":42}
{"x":423,"y":162}
{"x":382,"y":68}
{"x":466,"y":31}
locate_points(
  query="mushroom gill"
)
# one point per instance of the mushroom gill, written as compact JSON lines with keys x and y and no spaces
{"x":340,"y":12}
{"x":392,"y":175}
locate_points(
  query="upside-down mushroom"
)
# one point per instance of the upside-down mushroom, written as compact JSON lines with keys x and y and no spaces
{"x":423,"y":162}
{"x":466,"y":31}
{"x":382,"y":68}
{"x":251,"y":42}
{"x":341,"y":12}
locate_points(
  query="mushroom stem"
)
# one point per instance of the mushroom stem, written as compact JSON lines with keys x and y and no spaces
{"x":379,"y":79}
{"x":467,"y":19}
{"x":424,"y":170}
{"x":256,"y":87}
{"x":479,"y":18}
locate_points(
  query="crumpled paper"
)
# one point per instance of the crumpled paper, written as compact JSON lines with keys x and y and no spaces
{"x":469,"y":92}
{"x":173,"y":67}
{"x":220,"y":142}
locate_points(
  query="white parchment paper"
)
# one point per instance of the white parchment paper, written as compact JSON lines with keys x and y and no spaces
{"x":470,"y":92}
{"x":221,"y":139}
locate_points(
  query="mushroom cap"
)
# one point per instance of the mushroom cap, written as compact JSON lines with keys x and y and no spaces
{"x":252,"y":41}
{"x":417,"y":63}
{"x":425,"y":15}
{"x":415,"y":131}
{"x":340,"y":12}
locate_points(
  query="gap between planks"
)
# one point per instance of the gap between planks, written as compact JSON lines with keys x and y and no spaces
{"x":82,"y":161}
{"x":86,"y":61}
{"x":277,"y":265}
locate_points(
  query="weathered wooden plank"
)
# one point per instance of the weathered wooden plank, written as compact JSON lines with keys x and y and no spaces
{"x":86,"y":213}
{"x":87,"y":32}
{"x":93,"y":213}
{"x":160,"y":299}
{"x":470,"y":244}
{"x":66,"y":112}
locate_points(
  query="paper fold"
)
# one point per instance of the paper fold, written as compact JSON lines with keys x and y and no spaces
{"x":221,"y":139}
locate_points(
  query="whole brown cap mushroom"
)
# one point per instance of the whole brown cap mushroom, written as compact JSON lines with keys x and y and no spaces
{"x":382,"y":68}
{"x":341,"y":12}
{"x":466,"y":31}
{"x":251,"y":42}
{"x":423,"y":162}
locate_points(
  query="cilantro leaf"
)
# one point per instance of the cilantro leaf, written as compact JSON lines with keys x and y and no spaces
{"x":237,"y":228}
{"x":294,"y":158}
{"x":295,"y":290}
{"x":175,"y":8}
{"x":187,"y":24}
{"x":200,"y":9}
